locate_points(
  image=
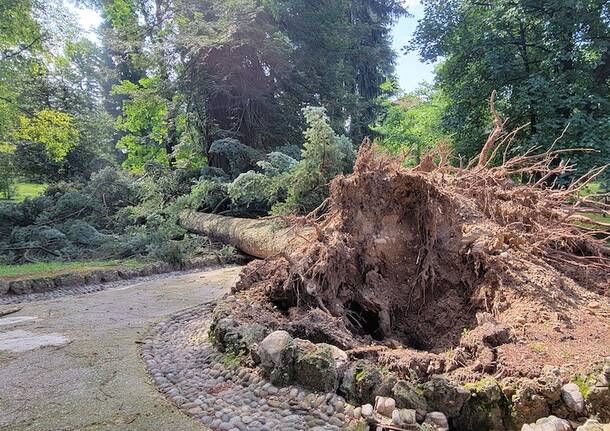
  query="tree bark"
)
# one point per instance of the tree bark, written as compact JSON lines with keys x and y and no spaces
{"x":262,"y":238}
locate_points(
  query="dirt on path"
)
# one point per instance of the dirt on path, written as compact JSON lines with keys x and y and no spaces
{"x":73,"y":363}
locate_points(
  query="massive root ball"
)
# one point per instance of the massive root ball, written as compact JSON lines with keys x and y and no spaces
{"x":441,"y":270}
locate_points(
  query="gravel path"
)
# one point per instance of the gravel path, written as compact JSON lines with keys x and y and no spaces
{"x":209,"y":386}
{"x":73,"y":362}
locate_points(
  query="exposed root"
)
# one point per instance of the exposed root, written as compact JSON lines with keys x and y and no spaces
{"x":412,"y":255}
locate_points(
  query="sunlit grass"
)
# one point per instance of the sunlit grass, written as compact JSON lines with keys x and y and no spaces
{"x":51,"y":268}
{"x":26,"y":190}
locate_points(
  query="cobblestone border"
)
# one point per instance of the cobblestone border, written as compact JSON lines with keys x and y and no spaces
{"x":223,"y":395}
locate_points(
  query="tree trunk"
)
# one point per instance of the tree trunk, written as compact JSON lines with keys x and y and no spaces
{"x":261,"y":238}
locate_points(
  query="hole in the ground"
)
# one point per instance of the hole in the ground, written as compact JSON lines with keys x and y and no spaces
{"x":410,"y":338}
{"x":283,"y":305}
{"x":363,"y":321}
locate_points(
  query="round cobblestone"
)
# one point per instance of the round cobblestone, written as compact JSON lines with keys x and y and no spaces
{"x":196,"y":377}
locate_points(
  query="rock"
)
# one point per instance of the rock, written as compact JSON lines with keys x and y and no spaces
{"x":494,"y":334}
{"x":528,"y":403}
{"x":20,"y":287}
{"x":366,"y":410}
{"x":591,"y":425}
{"x":445,"y":396}
{"x":360,"y":382}
{"x":409,"y":396}
{"x":437,"y":420}
{"x":484,"y":410}
{"x":385,"y":406}
{"x":276,"y":352}
{"x":396,"y":419}
{"x":384,"y":389}
{"x":316,"y":369}
{"x":571,"y":395}
{"x":357,"y":413}
{"x":4,"y":286}
{"x":341,"y":360}
{"x":598,"y":399}
{"x":551,"y":423}
{"x":403,"y":417}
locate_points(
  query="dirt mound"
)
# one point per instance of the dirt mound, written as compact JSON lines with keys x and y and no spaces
{"x":443,"y":270}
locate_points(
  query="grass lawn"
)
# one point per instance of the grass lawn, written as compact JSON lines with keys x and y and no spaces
{"x":26,"y":190}
{"x":54,"y":268}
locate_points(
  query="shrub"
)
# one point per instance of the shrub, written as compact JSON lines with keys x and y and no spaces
{"x":211,"y":173}
{"x":325,"y":155}
{"x":206,"y":195}
{"x":83,"y":234}
{"x":277,"y":163}
{"x":114,"y":188}
{"x":70,"y":206}
{"x":233,"y":157}
{"x":170,"y":252}
{"x":251,"y":192}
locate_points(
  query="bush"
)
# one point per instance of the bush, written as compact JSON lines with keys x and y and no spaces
{"x":216,"y":174}
{"x":206,"y":195}
{"x":325,"y":155}
{"x":113,"y":188}
{"x":292,"y":151}
{"x":277,"y":163}
{"x":233,"y":157}
{"x":43,"y":242}
{"x":252,"y":192}
{"x":170,"y":252}
{"x":71,"y":206}
{"x":83,"y":234}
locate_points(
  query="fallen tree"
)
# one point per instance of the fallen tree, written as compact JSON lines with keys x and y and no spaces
{"x":462,"y":271}
{"x":262,"y":238}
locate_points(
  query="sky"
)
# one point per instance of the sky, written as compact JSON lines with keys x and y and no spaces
{"x":409,"y":69}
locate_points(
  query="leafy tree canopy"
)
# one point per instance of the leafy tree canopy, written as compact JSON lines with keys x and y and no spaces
{"x":548,"y":60}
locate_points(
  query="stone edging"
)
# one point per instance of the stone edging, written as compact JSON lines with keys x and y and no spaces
{"x":215,"y":389}
{"x":438,"y":404}
{"x":97,"y":277}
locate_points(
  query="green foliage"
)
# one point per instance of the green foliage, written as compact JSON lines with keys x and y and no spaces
{"x":549,"y":62}
{"x":254,"y":192}
{"x":232,"y":156}
{"x":144,"y":121}
{"x":54,"y":130}
{"x":413,"y":123}
{"x":205,"y":196}
{"x":277,"y":163}
{"x":325,"y":155}
{"x":113,"y":187}
{"x":8,"y":176}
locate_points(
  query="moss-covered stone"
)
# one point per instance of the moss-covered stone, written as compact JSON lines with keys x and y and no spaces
{"x":486,"y":409}
{"x":443,"y":395}
{"x":409,"y":395}
{"x":316,"y":370}
{"x":360,"y":381}
{"x":231,"y":337}
{"x":527,"y":403}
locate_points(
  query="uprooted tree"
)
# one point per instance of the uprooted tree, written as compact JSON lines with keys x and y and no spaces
{"x":427,"y":258}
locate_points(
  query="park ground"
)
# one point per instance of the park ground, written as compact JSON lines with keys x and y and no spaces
{"x":73,"y":363}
